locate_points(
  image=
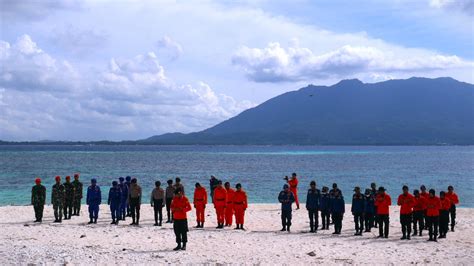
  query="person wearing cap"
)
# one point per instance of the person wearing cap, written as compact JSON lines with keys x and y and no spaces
{"x":357,"y":209}
{"x":419,"y":209}
{"x":180,"y":206}
{"x":433,"y":205}
{"x":453,"y":197}
{"x":444,"y":214}
{"x":57,"y":199}
{"x":93,"y":200}
{"x":337,"y":211}
{"x":220,"y":201}
{"x":135,"y":200}
{"x":38,"y":199}
{"x":406,"y":201}
{"x":128,"y":180}
{"x":213,"y":182}
{"x":178,"y":184}
{"x":325,"y":208}
{"x":115,"y":195}
{"x":77,"y":195}
{"x":293,"y":183}
{"x":200,"y":201}
{"x":286,"y":198}
{"x":157,"y":201}
{"x":229,"y":207}
{"x":240,"y":205}
{"x":373,"y":194}
{"x":123,"y":199}
{"x":369,"y":210}
{"x":332,"y":192}
{"x":383,"y":202}
{"x":169,"y":194}
{"x":312,"y":206}
{"x":68,"y":198}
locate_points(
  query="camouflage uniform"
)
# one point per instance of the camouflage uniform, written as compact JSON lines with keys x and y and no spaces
{"x":38,"y":198}
{"x":57,"y":199}
{"x":68,"y":199}
{"x":77,"y":197}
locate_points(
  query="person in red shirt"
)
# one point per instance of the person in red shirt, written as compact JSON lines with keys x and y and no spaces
{"x":433,"y":205}
{"x":293,"y":183}
{"x":424,"y":195}
{"x":419,"y":210}
{"x":180,"y":206}
{"x":453,"y":197}
{"x":444,"y":214}
{"x":383,"y":202}
{"x":240,"y":205}
{"x":229,"y":207}
{"x":220,"y":201}
{"x":406,"y":201}
{"x":200,"y":201}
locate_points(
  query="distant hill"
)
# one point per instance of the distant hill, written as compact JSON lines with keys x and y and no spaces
{"x":415,"y":111}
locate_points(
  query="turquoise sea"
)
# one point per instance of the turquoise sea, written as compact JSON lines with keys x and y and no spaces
{"x":260,"y":169}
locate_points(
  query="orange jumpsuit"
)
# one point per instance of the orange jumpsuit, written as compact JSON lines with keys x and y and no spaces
{"x":240,"y":205}
{"x":200,"y":201}
{"x":220,"y":200}
{"x":293,"y":183}
{"x":229,"y":208}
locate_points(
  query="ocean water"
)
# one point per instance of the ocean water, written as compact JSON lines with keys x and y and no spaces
{"x":260,"y":169}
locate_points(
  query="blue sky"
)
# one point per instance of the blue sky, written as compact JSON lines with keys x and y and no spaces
{"x":93,"y":70}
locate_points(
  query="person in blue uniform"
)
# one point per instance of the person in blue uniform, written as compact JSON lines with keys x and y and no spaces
{"x":312,"y":205}
{"x":94,"y":198}
{"x":357,"y":209}
{"x":128,"y":181}
{"x":337,"y":210}
{"x":369,"y":210}
{"x":286,"y":198}
{"x":325,"y":208}
{"x":114,"y":201}
{"x":123,"y":199}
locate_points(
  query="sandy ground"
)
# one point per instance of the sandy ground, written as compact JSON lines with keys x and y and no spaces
{"x":74,"y":242}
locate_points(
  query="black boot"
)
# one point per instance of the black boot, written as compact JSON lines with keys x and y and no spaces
{"x":90,"y":222}
{"x":184,"y":246}
{"x":178,"y":247}
{"x":283,"y":229}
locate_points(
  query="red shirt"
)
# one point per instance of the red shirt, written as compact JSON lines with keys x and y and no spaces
{"x":240,"y":199}
{"x":200,"y":196}
{"x":382,"y":202}
{"x":433,"y":204}
{"x":180,"y":206}
{"x":424,"y":194}
{"x":406,"y":203}
{"x":453,"y":197}
{"x":420,"y":204}
{"x":445,"y":204}
{"x":220,"y":197}
{"x":230,"y":197}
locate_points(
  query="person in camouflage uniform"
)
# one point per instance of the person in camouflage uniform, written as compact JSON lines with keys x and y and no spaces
{"x":57,"y":199}
{"x":38,"y":198}
{"x":77,"y":195}
{"x":68,"y":198}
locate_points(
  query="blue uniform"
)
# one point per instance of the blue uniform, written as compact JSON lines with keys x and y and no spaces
{"x":286,"y":199}
{"x":324,"y":207}
{"x":114,"y":201}
{"x":94,"y":198}
{"x":127,"y":203}
{"x":338,"y":208}
{"x":123,"y":200}
{"x":357,"y":209}
{"x":312,"y":205}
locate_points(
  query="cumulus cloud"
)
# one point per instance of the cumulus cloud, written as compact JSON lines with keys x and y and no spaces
{"x":274,"y":63}
{"x":169,"y":47}
{"x":464,"y":6}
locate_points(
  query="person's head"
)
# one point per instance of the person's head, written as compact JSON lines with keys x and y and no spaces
{"x":312,"y":184}
{"x":357,"y":190}
{"x":178,"y":192}
{"x":133,"y":181}
{"x":227,"y":185}
{"x":68,"y":179}
{"x":177,"y":180}
{"x":367,"y":191}
{"x":238,"y":186}
{"x":198,"y":185}
{"x":213,"y":177}
{"x":416,"y":192}
{"x":422,"y":188}
{"x":38,"y":181}
{"x":76,"y":176}
{"x":93,"y":181}
{"x":58,"y":179}
{"x":442,"y":194}
{"x":373,"y":185}
{"x":325,"y":189}
{"x":334,"y":185}
{"x":157,"y":184}
{"x":128,"y":178}
{"x":405,"y":190}
{"x":381,"y":190}
{"x":219,"y":183}
{"x":114,"y":183}
{"x":432,"y":193}
{"x":286,"y":187}
{"x":121,"y":179}
{"x":450,"y":189}
{"x":293,"y":175}
{"x":170,"y":182}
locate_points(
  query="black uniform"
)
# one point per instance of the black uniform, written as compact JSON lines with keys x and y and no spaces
{"x":38,"y":199}
{"x":68,"y":199}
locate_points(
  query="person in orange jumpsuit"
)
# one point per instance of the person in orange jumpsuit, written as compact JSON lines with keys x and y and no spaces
{"x":453,"y":197}
{"x":220,"y":201}
{"x":293,"y":182}
{"x":419,"y":210}
{"x":200,"y":201}
{"x":406,"y":201}
{"x":433,"y":204}
{"x":444,"y":214}
{"x":229,"y":207}
{"x":383,"y":202}
{"x":180,"y":206}
{"x":240,"y":205}
{"x":424,"y":195}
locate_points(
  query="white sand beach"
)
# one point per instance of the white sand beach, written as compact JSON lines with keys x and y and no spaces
{"x":75,"y":242}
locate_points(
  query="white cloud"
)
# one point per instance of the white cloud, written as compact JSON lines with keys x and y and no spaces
{"x":169,"y":47}
{"x":275,"y":63}
{"x":464,"y":6}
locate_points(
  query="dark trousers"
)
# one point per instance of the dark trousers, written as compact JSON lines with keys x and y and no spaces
{"x":337,"y":219}
{"x":325,"y":219}
{"x":93,"y":212}
{"x":376,"y":219}
{"x":122,"y":209}
{"x":115,"y":211}
{"x":384,"y":221}
{"x":58,"y":212}
{"x":405,"y":221}
{"x":38,"y":211}
{"x":76,"y":206}
{"x":180,"y":228}
{"x":418,"y":218}
{"x":168,"y":208}
{"x":135,"y":209}
{"x":432,"y":222}
{"x":359,"y":222}
{"x":443,"y":222}
{"x":313,"y":219}
{"x":158,"y":209}
{"x":452,"y":211}
{"x":368,"y":221}
{"x":286,"y":218}
{"x":68,"y":208}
